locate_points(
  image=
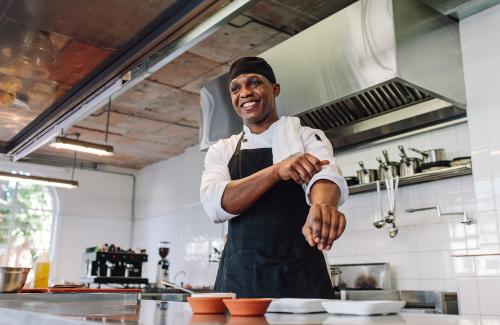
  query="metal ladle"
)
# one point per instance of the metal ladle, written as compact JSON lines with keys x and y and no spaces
{"x":393,"y":231}
{"x":389,"y":218}
{"x":379,"y":223}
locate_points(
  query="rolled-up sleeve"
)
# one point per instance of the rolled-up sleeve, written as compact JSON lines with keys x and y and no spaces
{"x":318,"y":145}
{"x":214,"y":180}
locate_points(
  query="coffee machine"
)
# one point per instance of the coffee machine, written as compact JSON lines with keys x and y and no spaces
{"x":162,"y":269}
{"x":112,"y":265}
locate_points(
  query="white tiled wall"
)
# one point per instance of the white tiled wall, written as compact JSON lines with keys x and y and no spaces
{"x":420,"y":255}
{"x":479,"y":283}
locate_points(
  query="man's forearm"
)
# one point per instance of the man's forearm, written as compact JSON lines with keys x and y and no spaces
{"x":241,"y":194}
{"x":325,"y":192}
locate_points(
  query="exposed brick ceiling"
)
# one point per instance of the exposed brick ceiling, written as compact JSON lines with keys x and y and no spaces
{"x":159,"y":117}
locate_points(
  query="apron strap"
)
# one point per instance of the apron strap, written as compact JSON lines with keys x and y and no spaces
{"x":237,"y":153}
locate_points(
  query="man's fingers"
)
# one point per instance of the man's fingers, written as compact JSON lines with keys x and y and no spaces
{"x":342,"y":224}
{"x":314,"y":220}
{"x":334,"y":226}
{"x":304,"y":174}
{"x":307,"y":232}
{"x":325,"y":226}
{"x":314,"y":161}
{"x":324,"y":162}
{"x":311,"y":170}
{"x":296,"y":176}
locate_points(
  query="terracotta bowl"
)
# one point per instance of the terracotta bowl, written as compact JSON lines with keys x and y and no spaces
{"x":247,"y":306}
{"x":207,"y":305}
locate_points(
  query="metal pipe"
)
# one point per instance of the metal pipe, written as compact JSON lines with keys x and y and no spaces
{"x":465,"y":218}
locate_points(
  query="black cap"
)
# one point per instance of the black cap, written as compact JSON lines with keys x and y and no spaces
{"x":251,"y":64}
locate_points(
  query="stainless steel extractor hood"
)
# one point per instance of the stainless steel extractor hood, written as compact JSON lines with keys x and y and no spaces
{"x":375,"y":69}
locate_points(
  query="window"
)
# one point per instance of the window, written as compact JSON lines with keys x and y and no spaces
{"x":27,"y":214}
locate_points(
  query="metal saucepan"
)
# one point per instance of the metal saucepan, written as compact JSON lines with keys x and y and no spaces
{"x":430,"y":156}
{"x":408,"y":166}
{"x":460,"y":161}
{"x":12,"y":279}
{"x":387,"y":168}
{"x":351,"y":180}
{"x":366,"y":176}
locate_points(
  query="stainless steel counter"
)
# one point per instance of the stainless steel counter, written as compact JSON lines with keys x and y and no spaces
{"x":16,"y":312}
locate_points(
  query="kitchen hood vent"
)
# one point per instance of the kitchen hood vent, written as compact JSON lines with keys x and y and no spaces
{"x":375,"y":69}
{"x":378,"y":100}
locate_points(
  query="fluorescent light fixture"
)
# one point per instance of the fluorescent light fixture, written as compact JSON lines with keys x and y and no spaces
{"x":38,"y":180}
{"x":77,"y":114}
{"x":82,"y":146}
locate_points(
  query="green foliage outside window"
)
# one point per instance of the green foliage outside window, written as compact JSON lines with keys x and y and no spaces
{"x":26,"y":218}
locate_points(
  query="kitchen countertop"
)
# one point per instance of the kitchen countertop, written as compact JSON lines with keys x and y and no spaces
{"x":15,"y":312}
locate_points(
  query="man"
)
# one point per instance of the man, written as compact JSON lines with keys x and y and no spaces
{"x":278,"y":186}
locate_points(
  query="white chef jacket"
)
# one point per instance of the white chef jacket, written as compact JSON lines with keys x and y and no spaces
{"x":216,"y":174}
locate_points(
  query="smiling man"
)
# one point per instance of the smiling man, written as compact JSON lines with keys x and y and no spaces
{"x":278,"y":186}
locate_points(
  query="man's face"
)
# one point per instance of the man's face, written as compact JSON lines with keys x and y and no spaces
{"x":252,"y":96}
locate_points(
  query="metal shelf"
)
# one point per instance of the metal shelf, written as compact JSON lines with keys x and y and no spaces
{"x":417,"y":178}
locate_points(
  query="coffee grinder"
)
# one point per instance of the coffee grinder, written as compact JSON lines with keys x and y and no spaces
{"x":163,"y":263}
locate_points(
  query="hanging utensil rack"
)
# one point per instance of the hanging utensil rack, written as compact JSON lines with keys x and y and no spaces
{"x":417,"y":178}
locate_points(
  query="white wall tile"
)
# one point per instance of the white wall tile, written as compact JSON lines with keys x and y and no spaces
{"x":451,"y":285}
{"x":488,"y":265}
{"x":403,"y":284}
{"x":364,"y":242}
{"x":364,"y":217}
{"x":481,"y":163}
{"x":430,"y":265}
{"x":487,"y":228}
{"x":428,"y":237}
{"x":464,"y":266}
{"x":403,"y":266}
{"x":346,"y":244}
{"x":484,"y":195}
{"x":448,"y":265}
{"x":488,"y":289}
{"x":478,"y":132}
{"x":468,"y":298}
{"x":494,"y":152}
{"x":453,"y":236}
{"x":432,"y":285}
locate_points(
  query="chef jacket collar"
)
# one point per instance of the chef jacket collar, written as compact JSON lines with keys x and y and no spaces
{"x":246,"y":130}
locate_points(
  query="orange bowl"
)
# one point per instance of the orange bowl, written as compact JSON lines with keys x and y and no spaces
{"x":247,"y":306}
{"x":207,"y":305}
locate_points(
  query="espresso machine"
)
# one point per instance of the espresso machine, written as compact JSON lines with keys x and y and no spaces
{"x":112,"y":265}
{"x":163,"y":266}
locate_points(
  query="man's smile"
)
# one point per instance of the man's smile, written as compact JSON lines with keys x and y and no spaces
{"x":249,"y":105}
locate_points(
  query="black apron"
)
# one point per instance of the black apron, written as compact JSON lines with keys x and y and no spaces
{"x":266,"y":254}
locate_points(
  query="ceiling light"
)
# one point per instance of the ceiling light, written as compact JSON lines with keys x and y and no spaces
{"x":82,"y":146}
{"x":38,"y":180}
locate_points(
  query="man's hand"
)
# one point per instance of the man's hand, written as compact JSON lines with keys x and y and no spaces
{"x":323,"y":226}
{"x":300,"y":167}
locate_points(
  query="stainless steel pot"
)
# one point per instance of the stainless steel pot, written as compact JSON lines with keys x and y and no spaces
{"x":388,"y":168}
{"x":408,"y":166}
{"x":430,"y":156}
{"x":366,"y":176}
{"x":12,"y":279}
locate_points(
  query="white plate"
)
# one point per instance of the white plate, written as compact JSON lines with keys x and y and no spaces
{"x":215,"y":294}
{"x":369,"y":307}
{"x":296,"y":306}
